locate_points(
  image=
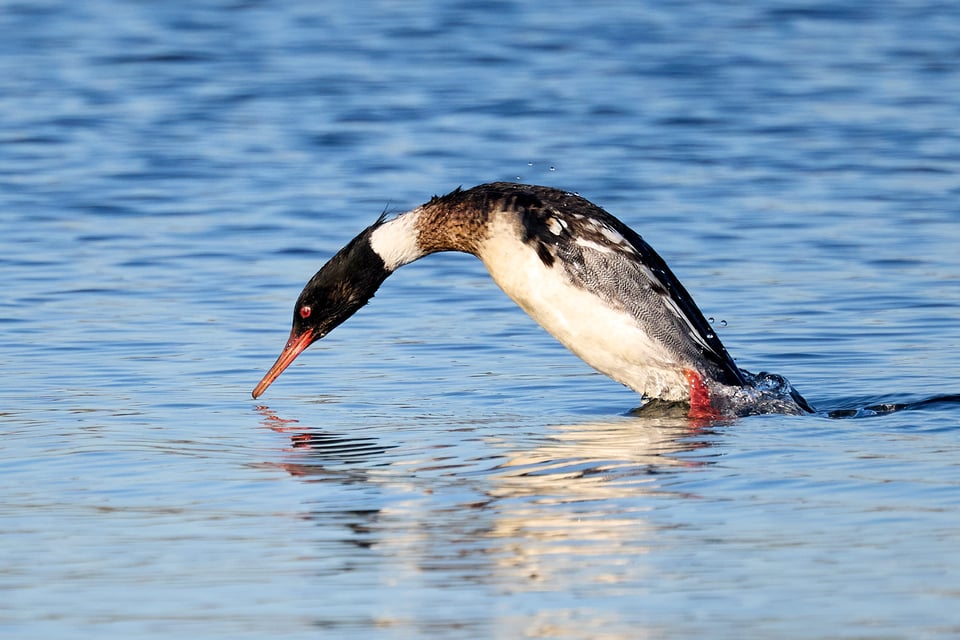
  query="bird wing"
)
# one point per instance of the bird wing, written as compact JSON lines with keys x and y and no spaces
{"x":602,"y":255}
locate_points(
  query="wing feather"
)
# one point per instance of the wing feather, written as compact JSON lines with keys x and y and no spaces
{"x":603,"y":255}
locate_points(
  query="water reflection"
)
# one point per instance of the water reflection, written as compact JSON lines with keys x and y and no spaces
{"x":314,"y":451}
{"x":574,"y":509}
{"x":560,"y":511}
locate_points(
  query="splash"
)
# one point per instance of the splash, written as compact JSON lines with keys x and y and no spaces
{"x":710,"y":402}
{"x":764,"y":393}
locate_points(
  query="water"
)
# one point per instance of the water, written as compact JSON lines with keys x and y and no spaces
{"x":172,"y":173}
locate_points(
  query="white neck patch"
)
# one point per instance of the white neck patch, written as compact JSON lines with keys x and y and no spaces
{"x":395,"y":241}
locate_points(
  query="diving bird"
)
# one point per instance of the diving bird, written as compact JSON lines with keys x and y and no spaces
{"x":582,"y":274}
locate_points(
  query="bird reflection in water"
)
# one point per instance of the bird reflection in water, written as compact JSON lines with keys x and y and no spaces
{"x":569,"y":506}
{"x":576,"y":509}
{"x":318,"y":450}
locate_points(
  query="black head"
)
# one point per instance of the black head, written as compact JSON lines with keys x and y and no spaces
{"x":341,"y":287}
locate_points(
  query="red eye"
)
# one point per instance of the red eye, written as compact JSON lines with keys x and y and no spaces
{"x":305,"y":311}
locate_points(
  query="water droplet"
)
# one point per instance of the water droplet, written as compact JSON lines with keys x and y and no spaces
{"x":723,"y":323}
{"x":710,"y":336}
{"x":529,"y":164}
{"x":710,"y":319}
{"x":552,"y":168}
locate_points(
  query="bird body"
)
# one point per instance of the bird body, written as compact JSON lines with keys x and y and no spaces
{"x":602,"y":334}
{"x":584,"y":276}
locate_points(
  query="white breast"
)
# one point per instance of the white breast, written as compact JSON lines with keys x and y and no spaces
{"x":608,"y":340}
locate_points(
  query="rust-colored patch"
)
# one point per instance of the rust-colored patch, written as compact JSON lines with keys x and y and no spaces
{"x":700,"y":405}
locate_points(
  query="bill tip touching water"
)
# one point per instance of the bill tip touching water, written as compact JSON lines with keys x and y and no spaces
{"x":582,"y":274}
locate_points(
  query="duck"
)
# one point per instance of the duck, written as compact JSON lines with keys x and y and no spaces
{"x":587,"y":278}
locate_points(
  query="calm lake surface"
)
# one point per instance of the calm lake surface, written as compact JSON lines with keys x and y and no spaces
{"x":172,"y":173}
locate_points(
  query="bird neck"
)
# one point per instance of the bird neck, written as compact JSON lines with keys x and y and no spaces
{"x":397,"y":241}
{"x":436,"y":226}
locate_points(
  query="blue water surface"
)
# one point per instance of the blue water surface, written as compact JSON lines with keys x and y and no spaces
{"x":172,"y":173}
